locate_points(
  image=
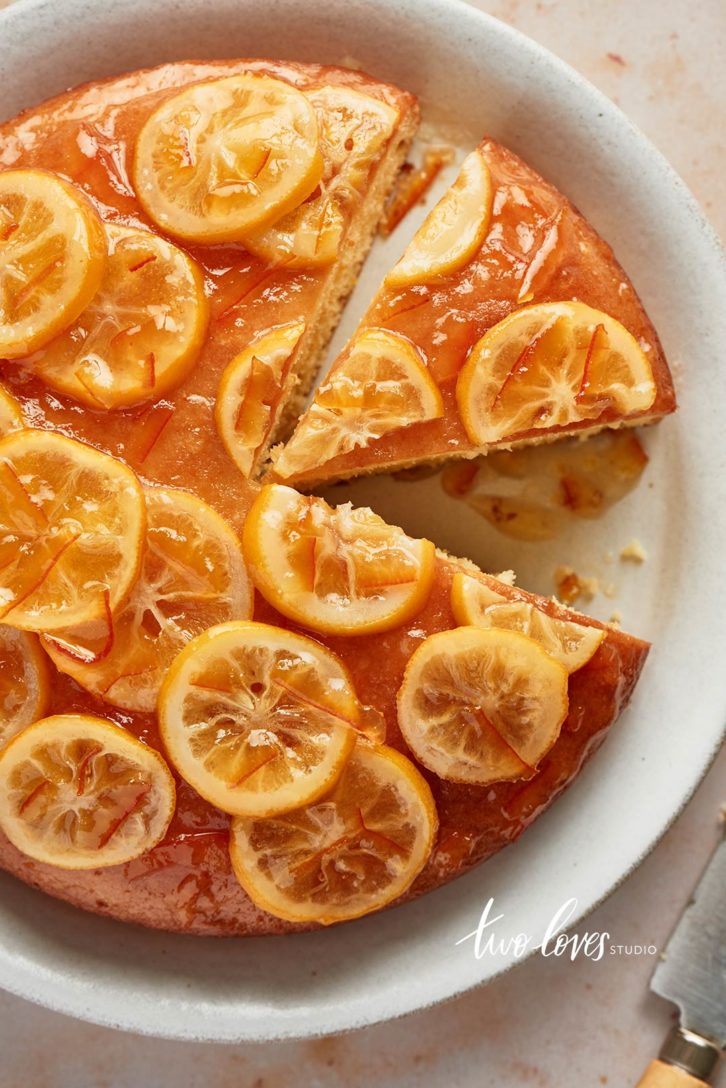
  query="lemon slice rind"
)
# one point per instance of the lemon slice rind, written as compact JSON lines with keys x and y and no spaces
{"x":49,"y":770}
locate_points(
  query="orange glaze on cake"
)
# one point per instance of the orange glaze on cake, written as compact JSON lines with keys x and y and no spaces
{"x":186,"y":882}
{"x":87,"y":136}
{"x":538,"y":249}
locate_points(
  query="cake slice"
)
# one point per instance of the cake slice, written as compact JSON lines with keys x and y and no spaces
{"x":506,"y":322}
{"x":270,"y":178}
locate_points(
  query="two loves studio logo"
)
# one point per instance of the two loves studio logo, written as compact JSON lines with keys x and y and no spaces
{"x":557,"y":942}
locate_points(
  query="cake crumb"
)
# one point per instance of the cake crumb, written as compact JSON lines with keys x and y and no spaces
{"x":616,"y":618}
{"x":633,"y":552}
{"x":506,"y":576}
{"x":570,"y":586}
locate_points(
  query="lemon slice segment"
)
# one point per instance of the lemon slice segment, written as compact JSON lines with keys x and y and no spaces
{"x":226,"y":157}
{"x":11,"y":414}
{"x":24,"y":682}
{"x":481,"y":706}
{"x":192,"y":577}
{"x":352,"y":852}
{"x":354,"y":127}
{"x":141,"y":334}
{"x":248,"y":391}
{"x":258,"y":720}
{"x":79,"y":792}
{"x":52,"y":257}
{"x":474,"y":603}
{"x":72,"y":522}
{"x":382,"y":385}
{"x":550,"y":365}
{"x":452,"y":232}
{"x":343,"y":571}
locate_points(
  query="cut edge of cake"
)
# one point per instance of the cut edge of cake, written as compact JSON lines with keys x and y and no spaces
{"x":590,"y":273}
{"x":323,"y":322}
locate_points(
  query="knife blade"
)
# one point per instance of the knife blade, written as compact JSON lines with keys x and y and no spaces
{"x":692,"y":975}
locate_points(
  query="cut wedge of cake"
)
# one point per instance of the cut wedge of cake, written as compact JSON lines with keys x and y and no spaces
{"x":262,"y":244}
{"x":506,"y":322}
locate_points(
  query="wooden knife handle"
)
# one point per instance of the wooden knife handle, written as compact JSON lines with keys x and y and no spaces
{"x":661,"y":1075}
{"x":686,"y":1060}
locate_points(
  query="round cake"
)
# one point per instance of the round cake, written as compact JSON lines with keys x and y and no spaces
{"x":228,"y":707}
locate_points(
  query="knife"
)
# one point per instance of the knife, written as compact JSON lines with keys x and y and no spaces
{"x":692,"y":974}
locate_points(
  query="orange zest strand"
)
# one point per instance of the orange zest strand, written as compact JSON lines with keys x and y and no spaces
{"x":413,"y":186}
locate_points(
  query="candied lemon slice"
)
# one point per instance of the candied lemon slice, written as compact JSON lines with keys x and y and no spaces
{"x":11,"y":414}
{"x":226,"y":157}
{"x":481,"y":705}
{"x":343,"y":570}
{"x":72,"y":522}
{"x":453,"y":230}
{"x":354,"y":128}
{"x":79,"y":792}
{"x":250,"y":387}
{"x":382,"y":385}
{"x":474,"y":603}
{"x":551,"y":365}
{"x":353,"y":851}
{"x":52,"y":257}
{"x":258,"y":720}
{"x":141,"y":334}
{"x":24,"y":682}
{"x":192,"y":577}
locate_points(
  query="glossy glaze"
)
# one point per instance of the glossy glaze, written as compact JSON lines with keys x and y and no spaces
{"x":538,"y":249}
{"x":186,"y":882}
{"x":87,"y":136}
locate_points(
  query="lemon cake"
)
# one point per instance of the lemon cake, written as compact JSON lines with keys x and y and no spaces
{"x":230,"y":708}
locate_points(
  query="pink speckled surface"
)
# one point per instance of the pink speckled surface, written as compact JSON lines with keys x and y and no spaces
{"x":548,"y":1023}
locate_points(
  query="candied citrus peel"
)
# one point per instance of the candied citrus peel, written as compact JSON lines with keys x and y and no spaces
{"x":551,"y":365}
{"x":79,"y":792}
{"x":382,"y":385}
{"x":52,"y":258}
{"x":24,"y":682}
{"x":477,"y":604}
{"x":192,"y":577}
{"x":258,"y":720}
{"x":223,"y":158}
{"x":72,"y":525}
{"x":412,"y":187}
{"x":452,"y":232}
{"x":482,"y":705}
{"x":249,"y":389}
{"x":354,"y":127}
{"x":351,"y":852}
{"x":342,"y":570}
{"x":140,"y":335}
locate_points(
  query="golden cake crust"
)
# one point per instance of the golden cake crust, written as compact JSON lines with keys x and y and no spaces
{"x":186,"y":883}
{"x":539,"y":249}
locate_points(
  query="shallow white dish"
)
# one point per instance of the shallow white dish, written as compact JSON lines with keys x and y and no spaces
{"x":473,"y":70}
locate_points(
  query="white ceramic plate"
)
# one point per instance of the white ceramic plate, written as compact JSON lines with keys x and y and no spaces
{"x":478,"y":75}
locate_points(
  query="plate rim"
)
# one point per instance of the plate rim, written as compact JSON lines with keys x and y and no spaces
{"x":24,"y":978}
